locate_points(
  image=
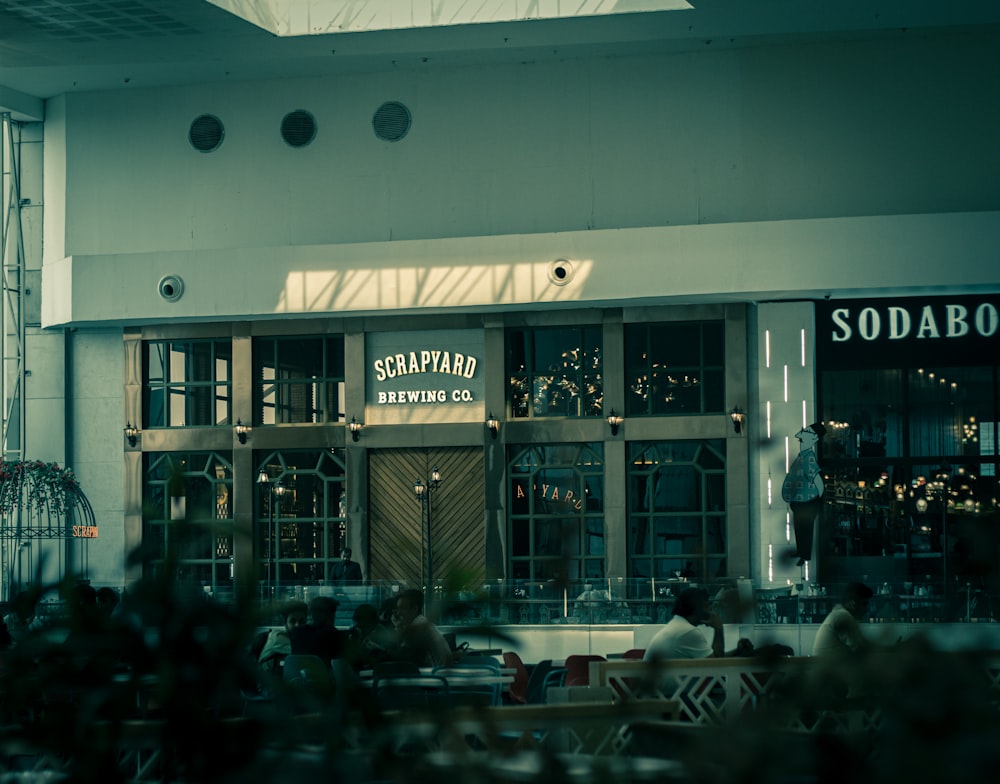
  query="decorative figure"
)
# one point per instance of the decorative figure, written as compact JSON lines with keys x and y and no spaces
{"x":802,"y":489}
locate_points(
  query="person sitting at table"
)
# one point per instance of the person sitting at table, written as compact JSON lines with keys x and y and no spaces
{"x":368,"y":640}
{"x":320,"y":637}
{"x":270,"y":648}
{"x":840,"y":633}
{"x":681,"y":638}
{"x":417,"y":639}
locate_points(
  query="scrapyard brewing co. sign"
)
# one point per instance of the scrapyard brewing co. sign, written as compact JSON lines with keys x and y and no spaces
{"x":907,"y":332}
{"x":425,"y":368}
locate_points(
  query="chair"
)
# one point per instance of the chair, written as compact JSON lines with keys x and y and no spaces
{"x":519,"y":688}
{"x":634,"y":653}
{"x":472,"y":694}
{"x":535,"y":691}
{"x":578,"y":669}
{"x":554,"y":678}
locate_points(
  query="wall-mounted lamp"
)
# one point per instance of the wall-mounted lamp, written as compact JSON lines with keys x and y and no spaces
{"x":738,"y":418}
{"x":241,"y":431}
{"x":615,"y":421}
{"x":131,"y":434}
{"x":355,"y":427}
{"x":493,"y":424}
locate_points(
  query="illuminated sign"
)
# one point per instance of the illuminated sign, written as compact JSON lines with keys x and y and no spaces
{"x":85,"y":531}
{"x":424,"y":368}
{"x":947,"y":331}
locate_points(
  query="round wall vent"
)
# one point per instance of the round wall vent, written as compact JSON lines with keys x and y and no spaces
{"x":391,"y":121}
{"x":171,"y":287}
{"x":298,"y":128}
{"x":206,"y":133}
{"x":561,"y":272}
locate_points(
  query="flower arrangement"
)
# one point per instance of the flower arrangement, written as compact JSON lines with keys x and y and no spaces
{"x":37,"y":487}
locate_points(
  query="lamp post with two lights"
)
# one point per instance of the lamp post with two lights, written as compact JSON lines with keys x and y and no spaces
{"x":423,"y":494}
{"x":274,"y":492}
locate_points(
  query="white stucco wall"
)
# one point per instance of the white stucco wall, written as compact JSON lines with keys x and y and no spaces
{"x":570,"y":148}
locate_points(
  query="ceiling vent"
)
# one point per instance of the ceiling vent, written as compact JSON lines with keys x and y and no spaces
{"x":298,"y":128}
{"x":391,"y":121}
{"x":206,"y":133}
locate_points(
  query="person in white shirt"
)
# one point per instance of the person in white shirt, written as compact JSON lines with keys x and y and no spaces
{"x":840,"y":633}
{"x":681,"y":638}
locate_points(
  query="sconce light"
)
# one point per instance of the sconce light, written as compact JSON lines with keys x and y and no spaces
{"x":615,"y":421}
{"x":263,"y":478}
{"x":131,"y":433}
{"x":738,"y":418}
{"x":355,"y":427}
{"x":493,"y":424}
{"x":241,"y":431}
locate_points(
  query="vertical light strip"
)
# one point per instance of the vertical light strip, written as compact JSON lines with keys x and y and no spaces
{"x":770,"y":491}
{"x":787,"y":462}
{"x":770,"y":563}
{"x":788,"y":527}
{"x":786,"y":383}
{"x":803,"y":340}
{"x":805,"y":422}
{"x":768,"y":419}
{"x":767,"y":348}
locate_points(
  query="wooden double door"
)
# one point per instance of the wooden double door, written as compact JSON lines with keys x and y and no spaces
{"x":398,"y":535}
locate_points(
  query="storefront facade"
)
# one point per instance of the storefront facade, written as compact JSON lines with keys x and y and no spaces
{"x":554,"y":495}
{"x":908,"y":389}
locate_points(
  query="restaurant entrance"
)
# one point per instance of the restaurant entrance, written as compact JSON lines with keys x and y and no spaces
{"x":398,"y":544}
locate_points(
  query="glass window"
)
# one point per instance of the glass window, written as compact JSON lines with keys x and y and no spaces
{"x":675,"y":368}
{"x":298,"y":379}
{"x":556,"y":498}
{"x":677,"y":510}
{"x":301,"y":517}
{"x":555,"y":371}
{"x":910,"y":469}
{"x":187,"y":382}
{"x":187,"y":517}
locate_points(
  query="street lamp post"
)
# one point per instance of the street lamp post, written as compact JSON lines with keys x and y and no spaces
{"x":423,"y":493}
{"x":274,"y":491}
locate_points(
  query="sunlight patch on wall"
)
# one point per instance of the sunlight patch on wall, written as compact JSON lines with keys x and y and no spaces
{"x":451,"y":286}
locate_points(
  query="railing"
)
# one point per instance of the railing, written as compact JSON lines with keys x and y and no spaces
{"x":644,"y":601}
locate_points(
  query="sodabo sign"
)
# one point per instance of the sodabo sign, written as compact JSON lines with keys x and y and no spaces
{"x":949,"y":331}
{"x":898,"y":322}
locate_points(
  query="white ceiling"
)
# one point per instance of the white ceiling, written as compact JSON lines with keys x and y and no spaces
{"x":50,"y":47}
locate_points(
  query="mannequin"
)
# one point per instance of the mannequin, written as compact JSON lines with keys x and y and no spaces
{"x":802,"y":489}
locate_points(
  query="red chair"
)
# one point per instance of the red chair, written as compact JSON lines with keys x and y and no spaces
{"x":519,"y":688}
{"x":578,"y":669}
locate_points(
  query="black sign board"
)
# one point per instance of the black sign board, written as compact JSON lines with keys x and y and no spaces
{"x":960,"y":331}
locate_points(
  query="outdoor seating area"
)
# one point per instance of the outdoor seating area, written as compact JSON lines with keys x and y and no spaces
{"x":497,"y":718}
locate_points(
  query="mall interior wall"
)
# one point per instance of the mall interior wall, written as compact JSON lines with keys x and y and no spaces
{"x":748,"y":174}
